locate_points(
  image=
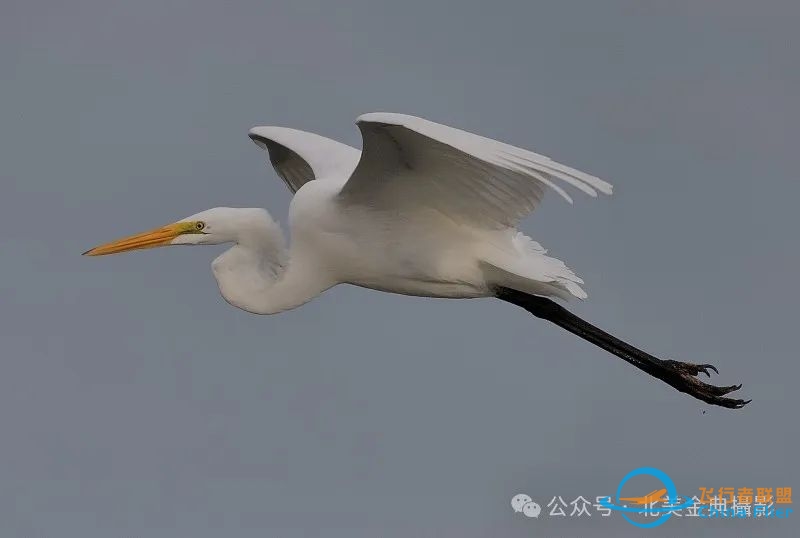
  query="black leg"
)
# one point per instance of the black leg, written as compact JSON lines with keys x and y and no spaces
{"x":681,"y":375}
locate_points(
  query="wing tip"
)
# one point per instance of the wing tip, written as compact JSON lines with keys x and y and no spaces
{"x":604,"y":187}
{"x":261,"y":135}
{"x":388,"y":118}
{"x":258,"y":140}
{"x":596,"y":184}
{"x":258,"y":130}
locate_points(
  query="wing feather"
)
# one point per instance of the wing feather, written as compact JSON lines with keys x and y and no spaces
{"x":299,"y":157}
{"x":409,"y":160}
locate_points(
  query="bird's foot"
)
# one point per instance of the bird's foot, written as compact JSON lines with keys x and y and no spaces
{"x":683,"y":376}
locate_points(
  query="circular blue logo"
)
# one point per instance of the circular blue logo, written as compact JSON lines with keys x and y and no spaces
{"x":666,"y":511}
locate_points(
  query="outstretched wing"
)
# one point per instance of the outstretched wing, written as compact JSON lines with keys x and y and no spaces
{"x":408,"y":160}
{"x":299,"y":157}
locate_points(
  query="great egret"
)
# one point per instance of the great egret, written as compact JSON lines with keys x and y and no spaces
{"x":424,"y":209}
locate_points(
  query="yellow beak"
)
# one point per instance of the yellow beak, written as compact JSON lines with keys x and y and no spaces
{"x":159,"y":237}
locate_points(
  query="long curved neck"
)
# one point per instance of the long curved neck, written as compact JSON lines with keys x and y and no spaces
{"x":260,"y":276}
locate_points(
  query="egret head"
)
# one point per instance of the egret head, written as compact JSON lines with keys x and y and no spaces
{"x":210,"y":227}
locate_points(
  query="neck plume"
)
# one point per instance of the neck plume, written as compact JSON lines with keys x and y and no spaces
{"x":260,"y":275}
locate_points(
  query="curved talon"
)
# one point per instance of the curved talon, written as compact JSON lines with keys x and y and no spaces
{"x":686,"y":380}
{"x":734,"y":404}
{"x":731,"y":403}
{"x":706,"y":367}
{"x":721,"y":391}
{"x":684,"y":377}
{"x":731,"y":388}
{"x":691,"y":368}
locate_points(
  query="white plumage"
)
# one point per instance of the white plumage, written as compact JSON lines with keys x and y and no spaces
{"x":423,"y":209}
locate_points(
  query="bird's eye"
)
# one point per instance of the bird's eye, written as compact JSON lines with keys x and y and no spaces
{"x":199,"y":225}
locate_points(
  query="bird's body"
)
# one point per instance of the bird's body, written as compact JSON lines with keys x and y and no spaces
{"x":419,"y":253}
{"x":424,"y":209}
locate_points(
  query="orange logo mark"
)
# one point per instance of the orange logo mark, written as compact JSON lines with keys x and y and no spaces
{"x":657,"y":495}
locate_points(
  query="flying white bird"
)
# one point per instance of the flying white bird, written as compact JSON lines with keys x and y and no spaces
{"x":423,"y":209}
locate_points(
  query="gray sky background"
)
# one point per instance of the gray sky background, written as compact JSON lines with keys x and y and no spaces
{"x":135,"y":402}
